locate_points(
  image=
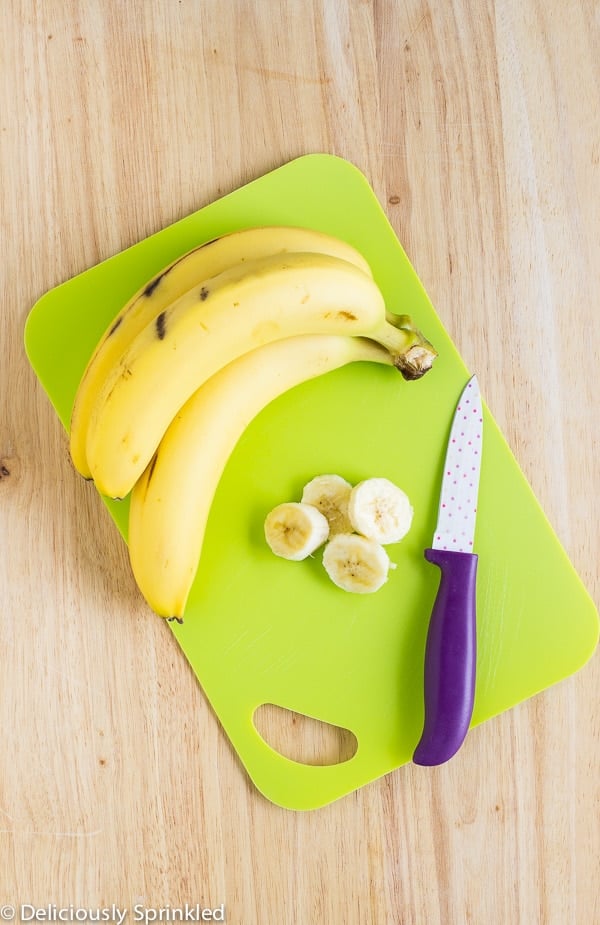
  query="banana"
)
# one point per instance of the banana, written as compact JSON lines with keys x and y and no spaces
{"x":173,"y":281}
{"x":214,"y":323}
{"x":379,"y":510}
{"x":330,"y":494}
{"x":356,"y":563}
{"x":170,"y":503}
{"x":294,"y":530}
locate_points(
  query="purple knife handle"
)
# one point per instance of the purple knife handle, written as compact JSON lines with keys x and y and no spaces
{"x":450,"y":658}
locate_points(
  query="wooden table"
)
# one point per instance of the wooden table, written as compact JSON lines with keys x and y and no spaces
{"x":477,"y":124}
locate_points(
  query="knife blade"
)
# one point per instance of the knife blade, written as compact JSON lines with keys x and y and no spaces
{"x":451,"y":647}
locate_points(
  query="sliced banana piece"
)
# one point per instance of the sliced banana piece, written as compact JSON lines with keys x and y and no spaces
{"x":355,"y":563}
{"x":330,"y":494}
{"x":294,"y":530}
{"x":380,"y":510}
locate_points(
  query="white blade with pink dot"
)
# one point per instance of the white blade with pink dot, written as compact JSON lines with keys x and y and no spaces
{"x":458,"y":502}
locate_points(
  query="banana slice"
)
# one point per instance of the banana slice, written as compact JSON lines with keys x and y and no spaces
{"x":294,"y":530}
{"x":380,"y":510}
{"x":355,"y":563}
{"x":330,"y":494}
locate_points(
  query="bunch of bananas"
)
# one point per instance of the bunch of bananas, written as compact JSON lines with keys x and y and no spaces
{"x":195,"y":355}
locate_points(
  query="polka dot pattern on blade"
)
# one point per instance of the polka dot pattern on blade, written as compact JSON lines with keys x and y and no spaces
{"x":458,"y":504}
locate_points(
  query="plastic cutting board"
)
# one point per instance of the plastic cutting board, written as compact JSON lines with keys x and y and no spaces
{"x":263,"y":630}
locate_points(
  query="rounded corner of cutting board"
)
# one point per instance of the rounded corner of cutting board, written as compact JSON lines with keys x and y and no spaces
{"x":324,"y":159}
{"x":34,"y":321}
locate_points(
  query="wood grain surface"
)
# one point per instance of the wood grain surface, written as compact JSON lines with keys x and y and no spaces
{"x":477,"y":124}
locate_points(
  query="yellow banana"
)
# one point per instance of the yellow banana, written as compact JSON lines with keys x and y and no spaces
{"x":170,"y":503}
{"x":173,"y":281}
{"x":242,"y":308}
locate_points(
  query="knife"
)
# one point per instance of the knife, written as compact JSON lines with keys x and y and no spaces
{"x":451,"y":648}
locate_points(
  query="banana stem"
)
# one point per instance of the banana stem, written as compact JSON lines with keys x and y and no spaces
{"x":411,"y":352}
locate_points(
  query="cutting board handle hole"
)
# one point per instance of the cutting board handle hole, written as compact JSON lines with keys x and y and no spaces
{"x":302,"y":738}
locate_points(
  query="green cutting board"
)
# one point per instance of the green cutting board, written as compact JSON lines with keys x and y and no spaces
{"x":260,"y":629}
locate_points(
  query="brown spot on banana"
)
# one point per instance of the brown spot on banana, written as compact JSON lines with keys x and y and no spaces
{"x":343,"y":314}
{"x":157,"y":279}
{"x":204,"y":294}
{"x":115,"y":325}
{"x":160,"y":325}
{"x":154,"y":283}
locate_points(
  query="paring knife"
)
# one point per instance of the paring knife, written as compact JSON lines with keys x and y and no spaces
{"x":451,"y":649}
